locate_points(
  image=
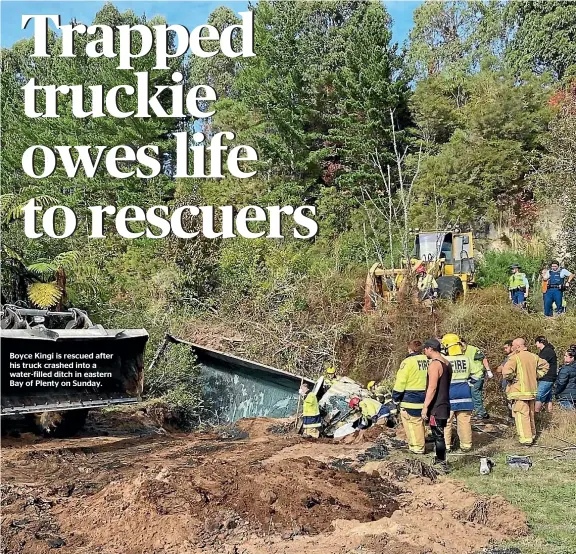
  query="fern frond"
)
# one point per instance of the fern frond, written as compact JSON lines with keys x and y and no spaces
{"x":9,"y":253}
{"x":43,"y":268}
{"x":69,"y":260}
{"x":44,"y":295}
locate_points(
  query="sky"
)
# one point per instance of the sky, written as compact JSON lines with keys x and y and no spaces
{"x":187,"y":13}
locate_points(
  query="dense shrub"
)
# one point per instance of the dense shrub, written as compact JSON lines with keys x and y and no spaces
{"x":494,"y":269}
{"x":175,"y":380}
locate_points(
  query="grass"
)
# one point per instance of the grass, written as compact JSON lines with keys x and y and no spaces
{"x":546,"y":492}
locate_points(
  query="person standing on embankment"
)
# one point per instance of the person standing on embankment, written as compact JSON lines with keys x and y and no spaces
{"x":555,"y":281}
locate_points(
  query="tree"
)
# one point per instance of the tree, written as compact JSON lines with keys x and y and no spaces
{"x":556,"y":176}
{"x":454,"y":37}
{"x":482,"y":148}
{"x":543,"y":37}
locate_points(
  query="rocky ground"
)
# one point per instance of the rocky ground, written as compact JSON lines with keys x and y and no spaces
{"x":127,"y":487}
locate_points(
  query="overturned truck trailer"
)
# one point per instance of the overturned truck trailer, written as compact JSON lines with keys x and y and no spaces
{"x":234,"y":388}
{"x":57,"y":365}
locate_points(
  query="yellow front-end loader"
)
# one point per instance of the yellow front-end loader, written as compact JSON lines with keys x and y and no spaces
{"x":447,"y":256}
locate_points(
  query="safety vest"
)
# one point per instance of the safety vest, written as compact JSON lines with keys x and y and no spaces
{"x":555,"y":280}
{"x":460,"y":391}
{"x":330,"y":379}
{"x":410,"y":385}
{"x":516,"y":281}
{"x":476,"y":357}
{"x":311,"y":411}
{"x":370,"y":407}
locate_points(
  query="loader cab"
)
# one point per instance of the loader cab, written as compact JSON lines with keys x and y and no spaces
{"x":453,"y":250}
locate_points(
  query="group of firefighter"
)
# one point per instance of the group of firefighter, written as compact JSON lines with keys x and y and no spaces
{"x":441,"y":382}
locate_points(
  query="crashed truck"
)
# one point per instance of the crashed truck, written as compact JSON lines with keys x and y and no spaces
{"x":234,"y":388}
{"x":48,"y":360}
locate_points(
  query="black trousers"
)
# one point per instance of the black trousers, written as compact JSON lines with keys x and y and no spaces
{"x":438,"y":436}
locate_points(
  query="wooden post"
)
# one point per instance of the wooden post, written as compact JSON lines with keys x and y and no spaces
{"x":298,"y":408}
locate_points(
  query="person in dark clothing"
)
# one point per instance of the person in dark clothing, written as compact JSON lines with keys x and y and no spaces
{"x":437,"y":402}
{"x":508,"y":351}
{"x":546,"y":384}
{"x":566,"y":382}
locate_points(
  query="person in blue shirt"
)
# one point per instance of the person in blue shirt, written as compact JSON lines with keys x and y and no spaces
{"x":556,"y":280}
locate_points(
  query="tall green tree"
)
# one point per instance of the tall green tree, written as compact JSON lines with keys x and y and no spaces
{"x":454,"y":37}
{"x":543,"y":37}
{"x":487,"y":145}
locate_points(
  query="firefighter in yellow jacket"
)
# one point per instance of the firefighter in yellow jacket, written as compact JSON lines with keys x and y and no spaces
{"x":521,"y":371}
{"x":311,"y":420}
{"x":409,"y":391}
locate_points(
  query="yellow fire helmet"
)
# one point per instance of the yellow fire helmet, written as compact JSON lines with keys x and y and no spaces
{"x":331,"y":370}
{"x":451,"y":342}
{"x":371,"y":385}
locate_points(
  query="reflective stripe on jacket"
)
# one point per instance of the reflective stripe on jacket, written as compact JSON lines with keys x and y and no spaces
{"x":522,"y":371}
{"x":410,"y":386}
{"x":311,"y":411}
{"x":460,"y":391}
{"x":477,"y":358}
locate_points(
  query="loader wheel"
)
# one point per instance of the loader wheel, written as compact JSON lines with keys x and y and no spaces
{"x":450,"y":288}
{"x":61,"y":424}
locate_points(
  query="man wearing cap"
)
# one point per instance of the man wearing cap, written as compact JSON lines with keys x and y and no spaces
{"x":555,"y":280}
{"x":436,"y":408}
{"x":518,"y":286}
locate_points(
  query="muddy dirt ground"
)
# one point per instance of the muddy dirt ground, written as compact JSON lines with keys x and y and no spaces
{"x":126,"y":487}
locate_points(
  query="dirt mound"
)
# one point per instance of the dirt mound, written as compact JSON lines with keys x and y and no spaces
{"x":297,"y":496}
{"x":247,"y":489}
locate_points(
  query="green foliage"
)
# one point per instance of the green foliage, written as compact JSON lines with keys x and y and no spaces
{"x":495,"y":267}
{"x":544,"y":38}
{"x":481,"y":141}
{"x":454,"y":38}
{"x":556,"y":178}
{"x":175,"y":380}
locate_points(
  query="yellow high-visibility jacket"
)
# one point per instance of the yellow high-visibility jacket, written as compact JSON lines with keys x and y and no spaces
{"x":311,"y":411}
{"x":477,"y":358}
{"x":370,"y":407}
{"x":522,"y":371}
{"x":330,"y":379}
{"x":410,"y":384}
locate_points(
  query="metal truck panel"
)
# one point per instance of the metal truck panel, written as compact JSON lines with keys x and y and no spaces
{"x":235,"y":388}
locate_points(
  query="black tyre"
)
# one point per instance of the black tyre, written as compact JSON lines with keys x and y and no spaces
{"x":62,"y":424}
{"x":450,"y":288}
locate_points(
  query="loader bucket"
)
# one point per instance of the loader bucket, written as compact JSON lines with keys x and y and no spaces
{"x":65,"y":369}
